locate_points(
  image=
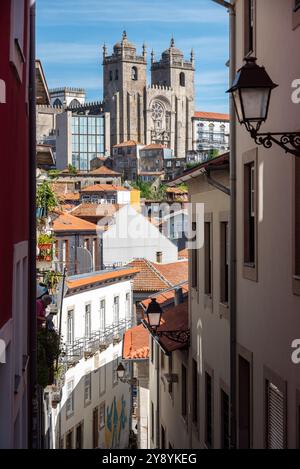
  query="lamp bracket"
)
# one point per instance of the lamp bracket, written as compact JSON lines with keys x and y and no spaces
{"x":288,"y":141}
{"x":181,"y":336}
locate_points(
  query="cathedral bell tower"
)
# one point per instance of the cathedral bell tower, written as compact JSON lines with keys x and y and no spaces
{"x":124,"y":83}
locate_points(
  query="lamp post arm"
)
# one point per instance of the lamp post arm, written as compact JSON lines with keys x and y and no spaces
{"x":288,"y":141}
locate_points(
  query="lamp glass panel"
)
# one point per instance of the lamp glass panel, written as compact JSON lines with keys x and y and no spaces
{"x":238,"y":105}
{"x":154,"y":319}
{"x":255,"y":103}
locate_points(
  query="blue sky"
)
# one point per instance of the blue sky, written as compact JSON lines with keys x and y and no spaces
{"x":70,"y":35}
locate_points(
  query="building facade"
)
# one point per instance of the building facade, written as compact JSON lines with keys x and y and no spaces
{"x":16,"y":360}
{"x":94,"y":407}
{"x":157,"y":113}
{"x":210,"y":134}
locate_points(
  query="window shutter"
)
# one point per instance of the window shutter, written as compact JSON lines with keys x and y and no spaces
{"x":276,"y":425}
{"x":297,"y":217}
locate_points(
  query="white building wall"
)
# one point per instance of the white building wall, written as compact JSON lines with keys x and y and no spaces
{"x":204,"y":125}
{"x":133,"y":236}
{"x":105,"y":389}
{"x":123,"y":197}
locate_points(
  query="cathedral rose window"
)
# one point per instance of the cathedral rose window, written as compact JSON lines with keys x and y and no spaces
{"x":157,"y":111}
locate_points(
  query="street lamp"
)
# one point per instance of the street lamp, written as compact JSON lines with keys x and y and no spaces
{"x":251,"y":92}
{"x":121,"y":376}
{"x":154,"y":314}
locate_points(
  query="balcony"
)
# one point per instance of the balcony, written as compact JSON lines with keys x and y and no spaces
{"x":86,"y":347}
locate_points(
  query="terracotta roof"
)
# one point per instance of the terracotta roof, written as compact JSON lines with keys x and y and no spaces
{"x":95,"y":210}
{"x":174,"y":273}
{"x":165,"y":297}
{"x":136,"y":343}
{"x":177,"y":190}
{"x":183,"y":253}
{"x":147,"y":279}
{"x":151,"y":173}
{"x":103,"y":188}
{"x":153,"y":146}
{"x":212,"y":116}
{"x":155,"y":277}
{"x":100,"y":277}
{"x":174,"y":318}
{"x":103,"y":171}
{"x":67,"y":222}
{"x":128,"y":143}
{"x":70,"y":196}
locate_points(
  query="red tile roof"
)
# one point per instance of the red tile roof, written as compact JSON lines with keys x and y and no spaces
{"x":67,"y":222}
{"x":165,"y":297}
{"x":155,"y":277}
{"x":103,"y":171}
{"x":101,"y":277}
{"x":212,"y":116}
{"x":95,"y":210}
{"x":184,"y":253}
{"x":128,"y":143}
{"x":174,"y":318}
{"x":136,"y":343}
{"x":103,"y":188}
{"x":154,"y":146}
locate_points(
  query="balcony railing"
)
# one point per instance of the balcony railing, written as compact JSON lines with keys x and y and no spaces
{"x":86,"y":347}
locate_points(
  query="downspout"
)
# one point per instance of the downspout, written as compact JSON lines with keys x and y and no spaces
{"x":232,"y":227}
{"x":34,"y":440}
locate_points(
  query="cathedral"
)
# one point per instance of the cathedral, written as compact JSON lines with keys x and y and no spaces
{"x":160,"y":112}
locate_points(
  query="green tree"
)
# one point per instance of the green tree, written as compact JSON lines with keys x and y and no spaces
{"x":45,"y":198}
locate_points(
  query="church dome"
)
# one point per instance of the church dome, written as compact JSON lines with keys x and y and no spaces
{"x":172,"y":50}
{"x":125,"y":44}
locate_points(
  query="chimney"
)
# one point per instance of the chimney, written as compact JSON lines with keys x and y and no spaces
{"x":178,"y":297}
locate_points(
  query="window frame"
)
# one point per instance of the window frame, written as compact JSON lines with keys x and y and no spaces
{"x":88,"y":375}
{"x":208,"y":255}
{"x":18,"y":22}
{"x":184,"y":392}
{"x":208,"y":372}
{"x":249,"y":27}
{"x":250,"y":268}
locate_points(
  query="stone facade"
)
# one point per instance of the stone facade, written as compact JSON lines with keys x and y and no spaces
{"x":158,"y":113}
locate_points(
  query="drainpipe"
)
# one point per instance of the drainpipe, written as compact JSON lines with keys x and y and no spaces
{"x":232,"y":227}
{"x":34,"y":440}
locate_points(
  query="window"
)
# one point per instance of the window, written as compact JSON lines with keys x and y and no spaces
{"x":208,"y":410}
{"x":128,"y":306}
{"x":87,"y":388}
{"x":65,"y":252}
{"x":244,"y":406}
{"x":69,"y":440}
{"x":249,"y":213}
{"x":110,"y":75}
{"x":17,"y":49}
{"x":275,"y":416}
{"x":102,"y":377}
{"x":95,"y":427}
{"x":194,"y":258}
{"x":225,"y":416}
{"x":195,"y":392}
{"x":182,"y":79}
{"x":134,"y":73}
{"x":163,"y":438}
{"x":183,"y":392}
{"x":116,"y":310}
{"x":297,"y":4}
{"x":102,"y":415}
{"x":170,"y":372}
{"x":87,"y":321}
{"x":94,"y":253}
{"x":102,"y":315}
{"x":70,"y":398}
{"x":74,"y":103}
{"x":224,"y":262}
{"x":208,"y":258}
{"x":79,"y":436}
{"x":162,"y":359}
{"x":249,"y":26}
{"x":114,"y":370}
{"x":152,"y":349}
{"x":117,"y":74}
{"x":70,"y":327}
{"x":152,"y":422}
{"x":57,"y":103}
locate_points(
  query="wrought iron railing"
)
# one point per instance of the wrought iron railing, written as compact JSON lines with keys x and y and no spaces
{"x":97,"y":341}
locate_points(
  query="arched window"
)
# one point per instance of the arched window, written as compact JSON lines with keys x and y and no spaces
{"x":134,"y":74}
{"x":117,"y":74}
{"x":74,"y":103}
{"x":57,"y":103}
{"x":110,"y":75}
{"x":182,"y":79}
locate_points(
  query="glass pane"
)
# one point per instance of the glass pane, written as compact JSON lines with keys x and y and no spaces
{"x":255,"y":103}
